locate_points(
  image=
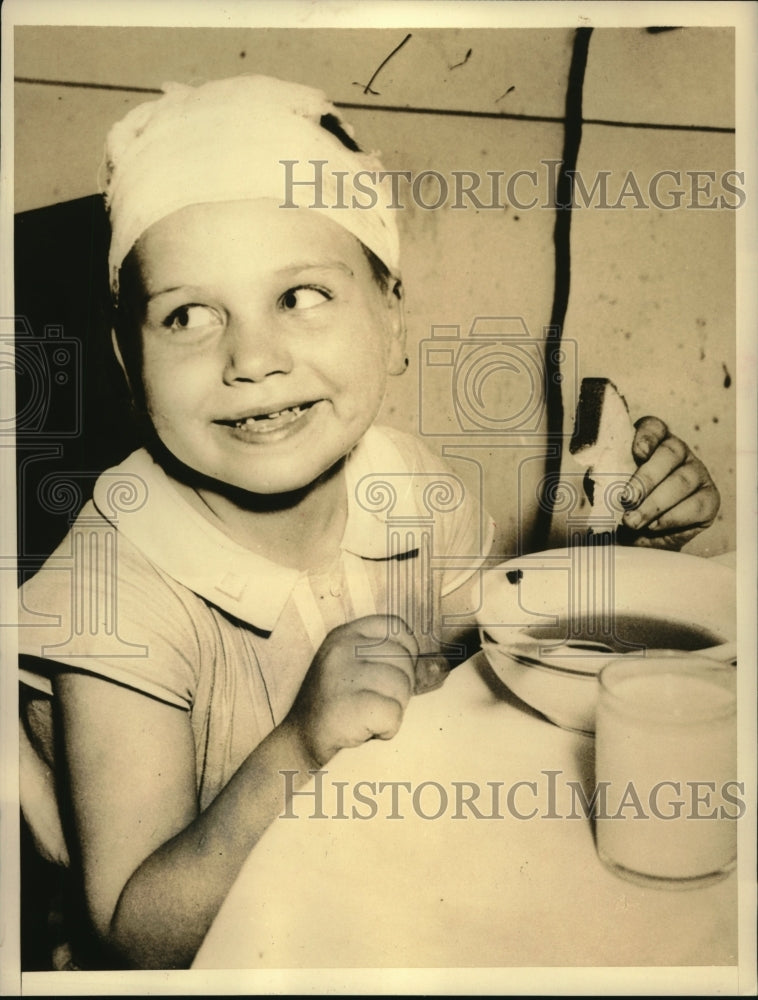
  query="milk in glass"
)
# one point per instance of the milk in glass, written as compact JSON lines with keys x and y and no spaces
{"x":666,"y":770}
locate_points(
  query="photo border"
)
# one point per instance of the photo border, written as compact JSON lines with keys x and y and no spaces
{"x":698,"y":981}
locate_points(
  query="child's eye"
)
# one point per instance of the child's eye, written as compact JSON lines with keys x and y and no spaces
{"x":304,"y":297}
{"x":191,"y":317}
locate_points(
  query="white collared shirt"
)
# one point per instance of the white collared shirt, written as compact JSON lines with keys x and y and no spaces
{"x":147,"y":592}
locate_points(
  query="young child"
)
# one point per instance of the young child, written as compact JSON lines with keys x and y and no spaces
{"x":250,"y":610}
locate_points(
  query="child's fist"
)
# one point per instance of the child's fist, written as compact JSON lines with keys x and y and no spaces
{"x":357,"y":686}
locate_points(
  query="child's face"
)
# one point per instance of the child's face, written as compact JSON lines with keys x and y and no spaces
{"x":266,"y":341}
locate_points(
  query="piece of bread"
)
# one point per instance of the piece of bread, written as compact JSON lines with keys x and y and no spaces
{"x":602,"y":444}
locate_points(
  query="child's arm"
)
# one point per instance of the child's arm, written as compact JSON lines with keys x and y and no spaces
{"x":155,"y":869}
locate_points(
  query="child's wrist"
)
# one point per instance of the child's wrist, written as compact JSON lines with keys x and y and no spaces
{"x":308,"y":757}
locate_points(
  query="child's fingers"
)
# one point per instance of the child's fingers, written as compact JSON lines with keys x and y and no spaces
{"x":431,"y":672}
{"x":385,"y":688}
{"x":695,"y":511}
{"x":389,"y":677}
{"x":649,"y":432}
{"x":673,"y":541}
{"x":428,"y":672}
{"x":670,"y":455}
{"x":687,"y":497}
{"x":385,"y":637}
{"x":671,"y":496}
{"x":387,"y":627}
{"x":378,"y":716}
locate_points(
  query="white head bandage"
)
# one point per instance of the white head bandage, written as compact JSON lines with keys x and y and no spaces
{"x":226,"y":141}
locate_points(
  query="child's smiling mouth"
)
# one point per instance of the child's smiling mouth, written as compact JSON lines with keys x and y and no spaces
{"x":258,"y":424}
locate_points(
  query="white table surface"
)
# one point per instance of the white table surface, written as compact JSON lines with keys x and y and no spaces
{"x":424,"y":893}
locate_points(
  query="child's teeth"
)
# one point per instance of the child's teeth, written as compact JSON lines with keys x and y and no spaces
{"x":291,"y":412}
{"x":294,"y":410}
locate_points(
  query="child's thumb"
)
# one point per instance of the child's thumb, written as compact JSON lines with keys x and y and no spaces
{"x":431,"y":671}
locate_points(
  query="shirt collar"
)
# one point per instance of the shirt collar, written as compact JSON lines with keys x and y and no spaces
{"x":202,"y":558}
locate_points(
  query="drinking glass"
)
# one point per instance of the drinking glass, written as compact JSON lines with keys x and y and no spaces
{"x":667,"y":798}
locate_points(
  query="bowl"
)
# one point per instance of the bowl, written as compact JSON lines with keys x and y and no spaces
{"x":550,"y":621}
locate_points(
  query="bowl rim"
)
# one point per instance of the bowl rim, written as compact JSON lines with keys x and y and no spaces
{"x":550,"y":668}
{"x":708,"y":612}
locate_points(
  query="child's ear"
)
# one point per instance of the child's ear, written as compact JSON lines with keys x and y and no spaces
{"x":397,"y":362}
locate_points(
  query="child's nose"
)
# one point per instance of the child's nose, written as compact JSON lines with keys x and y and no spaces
{"x":253,"y":352}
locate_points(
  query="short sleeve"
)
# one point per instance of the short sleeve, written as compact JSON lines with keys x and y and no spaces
{"x":100,"y":606}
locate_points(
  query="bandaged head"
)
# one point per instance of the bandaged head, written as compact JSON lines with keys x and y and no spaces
{"x":226,"y":141}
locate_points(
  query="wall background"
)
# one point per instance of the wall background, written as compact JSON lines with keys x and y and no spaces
{"x":652,"y":301}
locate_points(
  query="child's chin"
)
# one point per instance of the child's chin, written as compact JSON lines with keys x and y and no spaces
{"x":281,"y":486}
{"x":284,"y":482}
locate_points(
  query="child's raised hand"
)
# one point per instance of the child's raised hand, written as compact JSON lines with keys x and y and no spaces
{"x":357,"y":686}
{"x":673,"y":495}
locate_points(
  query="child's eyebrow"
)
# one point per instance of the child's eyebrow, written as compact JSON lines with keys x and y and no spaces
{"x":284,"y":272}
{"x":317,"y":265}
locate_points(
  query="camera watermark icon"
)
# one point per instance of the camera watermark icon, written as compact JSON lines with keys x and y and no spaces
{"x":48,"y":384}
{"x":495,"y":381}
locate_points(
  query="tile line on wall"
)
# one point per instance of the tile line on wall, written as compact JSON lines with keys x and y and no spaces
{"x":399,"y":109}
{"x":38,"y":81}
